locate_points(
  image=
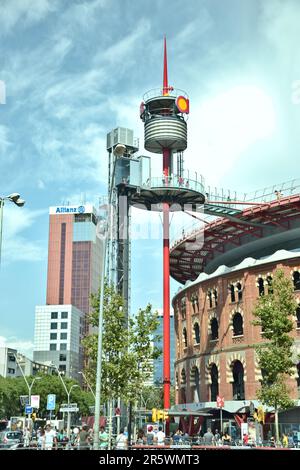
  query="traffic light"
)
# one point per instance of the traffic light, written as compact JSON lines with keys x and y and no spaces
{"x":158,"y":415}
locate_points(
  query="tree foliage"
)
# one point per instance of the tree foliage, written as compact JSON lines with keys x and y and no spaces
{"x":273,"y":314}
{"x":12,"y":388}
{"x":127,"y":347}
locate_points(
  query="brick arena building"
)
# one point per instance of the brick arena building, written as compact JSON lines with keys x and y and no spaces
{"x":223,"y":278}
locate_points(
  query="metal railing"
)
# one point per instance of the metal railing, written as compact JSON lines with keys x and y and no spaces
{"x":175,"y":182}
{"x":158,"y":91}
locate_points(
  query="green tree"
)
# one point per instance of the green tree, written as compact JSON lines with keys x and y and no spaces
{"x":12,"y":388}
{"x":127,"y":347}
{"x":273,"y":314}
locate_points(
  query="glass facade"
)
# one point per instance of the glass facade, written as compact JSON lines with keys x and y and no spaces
{"x":158,"y":363}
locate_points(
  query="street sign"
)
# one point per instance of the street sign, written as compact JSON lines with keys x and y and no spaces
{"x":51,"y":402}
{"x":220,"y":402}
{"x":24,"y":399}
{"x":69,"y":410}
{"x":35,"y":401}
{"x":28,"y":410}
{"x":68,"y":407}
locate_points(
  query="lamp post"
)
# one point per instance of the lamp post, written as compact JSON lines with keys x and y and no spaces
{"x":15,"y":198}
{"x":28,"y":386}
{"x":68,"y":392}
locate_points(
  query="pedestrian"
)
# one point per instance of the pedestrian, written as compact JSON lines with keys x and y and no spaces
{"x":103,"y":438}
{"x":83,"y":438}
{"x":26,"y":437}
{"x":41,"y":439}
{"x":285,"y":440}
{"x":141,"y":438}
{"x":121,"y":441}
{"x":217,"y":437}
{"x":226,"y":439}
{"x":50,"y":437}
{"x":208,"y":437}
{"x":160,"y":436}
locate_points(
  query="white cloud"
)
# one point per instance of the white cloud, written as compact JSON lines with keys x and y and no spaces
{"x":21,"y":345}
{"x":24,"y":13}
{"x":17,"y":247}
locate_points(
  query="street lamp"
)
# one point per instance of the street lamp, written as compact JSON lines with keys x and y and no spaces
{"x":28,"y":386}
{"x":16,"y":199}
{"x":92,"y":391}
{"x":68,"y":392}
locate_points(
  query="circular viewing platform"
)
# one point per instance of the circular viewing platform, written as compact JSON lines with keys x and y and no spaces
{"x":180,"y":193}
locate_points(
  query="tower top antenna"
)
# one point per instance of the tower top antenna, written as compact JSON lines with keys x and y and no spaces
{"x":165,"y":78}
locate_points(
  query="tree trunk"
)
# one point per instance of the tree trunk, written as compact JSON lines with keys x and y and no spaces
{"x":276,"y":426}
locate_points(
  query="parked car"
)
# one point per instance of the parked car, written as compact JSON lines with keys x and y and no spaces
{"x":10,"y":438}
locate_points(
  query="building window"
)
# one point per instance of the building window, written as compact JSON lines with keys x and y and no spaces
{"x":53,"y":335}
{"x":214,"y":386}
{"x":270,"y":284}
{"x":195,"y":302}
{"x":64,"y":326}
{"x":215,"y":296}
{"x":54,"y":315}
{"x":63,"y":357}
{"x":197,"y":333}
{"x":11,"y":371}
{"x":237,"y":323}
{"x":64,"y":315}
{"x":261,"y":287}
{"x":63,"y":335}
{"x":53,"y":347}
{"x":238,"y":387}
{"x":184,"y":337}
{"x":11,"y":358}
{"x":62,"y":368}
{"x":195,"y":382}
{"x":296,"y":280}
{"x":239,"y":291}
{"x":53,"y":326}
{"x":298,"y":317}
{"x":209,"y":296}
{"x":183,"y":306}
{"x":63,"y":346}
{"x":232,"y":292}
{"x":214,"y":328}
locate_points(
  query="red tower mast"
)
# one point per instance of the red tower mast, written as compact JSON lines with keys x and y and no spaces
{"x":166,"y":259}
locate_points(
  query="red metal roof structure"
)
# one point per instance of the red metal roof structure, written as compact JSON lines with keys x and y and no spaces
{"x":256,"y":231}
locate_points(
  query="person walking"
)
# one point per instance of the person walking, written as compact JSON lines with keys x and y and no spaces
{"x":208,"y":437}
{"x":160,"y":436}
{"x":83,"y":438}
{"x":103,"y":438}
{"x":50,"y":437}
{"x":122,"y":441}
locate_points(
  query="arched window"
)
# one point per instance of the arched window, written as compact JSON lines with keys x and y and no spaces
{"x":215,"y":296}
{"x":296,"y":280}
{"x":298,"y":378}
{"x":298,"y":317}
{"x":184,"y":337}
{"x":195,"y":382}
{"x":237,"y":323}
{"x":239,"y":291}
{"x":270,"y":284}
{"x":238,"y":387}
{"x":214,"y":328}
{"x":232,"y":292}
{"x":214,"y":386}
{"x":261,"y":287}
{"x":209,"y":296}
{"x":196,"y":333}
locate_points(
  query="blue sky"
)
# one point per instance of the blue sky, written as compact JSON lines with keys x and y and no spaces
{"x":74,"y":70}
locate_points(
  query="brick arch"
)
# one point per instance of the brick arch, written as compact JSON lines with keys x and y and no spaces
{"x":211,"y":315}
{"x":195,"y":363}
{"x":214,"y":359}
{"x":233,"y":312}
{"x":194,"y":322}
{"x":236,"y":356}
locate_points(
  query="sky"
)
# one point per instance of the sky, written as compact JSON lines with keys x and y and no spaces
{"x":74,"y":70}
